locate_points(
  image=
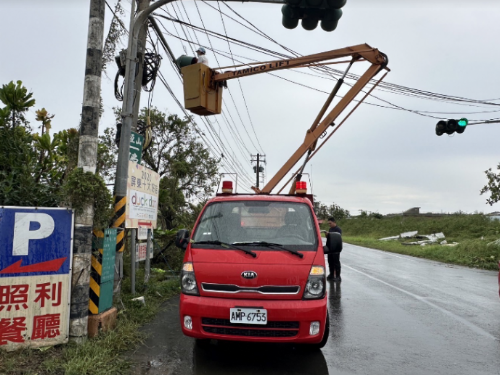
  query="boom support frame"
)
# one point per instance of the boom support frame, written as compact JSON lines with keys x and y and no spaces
{"x":378,"y":62}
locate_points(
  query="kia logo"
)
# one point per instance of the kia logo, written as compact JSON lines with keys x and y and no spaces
{"x":249,"y":274}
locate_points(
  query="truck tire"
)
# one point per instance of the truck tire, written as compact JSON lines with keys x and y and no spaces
{"x":202,"y":343}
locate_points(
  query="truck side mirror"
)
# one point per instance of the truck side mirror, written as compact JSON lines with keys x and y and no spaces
{"x":182,"y":239}
{"x":334,"y":242}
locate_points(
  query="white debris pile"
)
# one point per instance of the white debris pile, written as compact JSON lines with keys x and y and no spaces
{"x":494,"y":243}
{"x":424,"y":239}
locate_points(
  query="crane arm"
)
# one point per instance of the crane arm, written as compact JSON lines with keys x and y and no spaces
{"x":313,"y":136}
{"x":359,"y":51}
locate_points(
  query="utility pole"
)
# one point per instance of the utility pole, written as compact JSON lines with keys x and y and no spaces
{"x":258,"y":169}
{"x":133,"y":60}
{"x":141,"y":50}
{"x":120,"y":189}
{"x":87,"y":160}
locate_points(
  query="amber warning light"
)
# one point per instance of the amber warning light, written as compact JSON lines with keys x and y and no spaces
{"x":227,"y":186}
{"x":301,"y":187}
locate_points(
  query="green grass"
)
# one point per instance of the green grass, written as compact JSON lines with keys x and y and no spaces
{"x":470,"y":253}
{"x":102,"y":354}
{"x":472,"y":232}
{"x":454,"y":226}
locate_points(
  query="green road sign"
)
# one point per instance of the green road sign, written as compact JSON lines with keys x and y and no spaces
{"x":108,"y":269}
{"x":136,"y":142}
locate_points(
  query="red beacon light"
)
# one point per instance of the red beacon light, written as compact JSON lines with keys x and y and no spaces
{"x":300,"y":187}
{"x":227,"y":187}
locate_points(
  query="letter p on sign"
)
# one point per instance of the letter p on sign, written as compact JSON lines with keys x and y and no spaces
{"x":23,"y":234}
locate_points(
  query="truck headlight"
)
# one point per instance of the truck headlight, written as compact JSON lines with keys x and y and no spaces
{"x":188,"y":280}
{"x":315,"y":286}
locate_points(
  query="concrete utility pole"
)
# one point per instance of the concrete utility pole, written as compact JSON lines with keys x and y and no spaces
{"x":257,"y":168}
{"x":120,"y":200}
{"x":87,"y":160}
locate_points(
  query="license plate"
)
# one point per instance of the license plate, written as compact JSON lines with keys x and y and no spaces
{"x":248,"y":316}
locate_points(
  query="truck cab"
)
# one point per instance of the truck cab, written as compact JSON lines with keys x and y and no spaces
{"x":254,"y":270}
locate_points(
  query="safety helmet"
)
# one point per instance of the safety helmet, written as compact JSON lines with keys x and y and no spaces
{"x":201,"y":50}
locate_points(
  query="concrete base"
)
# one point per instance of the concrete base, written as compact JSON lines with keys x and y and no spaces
{"x":104,"y":322}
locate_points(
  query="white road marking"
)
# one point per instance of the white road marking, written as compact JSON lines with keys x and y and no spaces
{"x":424,"y":300}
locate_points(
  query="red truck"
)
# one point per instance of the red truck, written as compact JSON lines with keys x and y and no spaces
{"x":254,"y":267}
{"x":254,"y":270}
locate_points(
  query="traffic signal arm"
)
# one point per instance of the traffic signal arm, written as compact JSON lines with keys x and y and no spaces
{"x":356,"y":52}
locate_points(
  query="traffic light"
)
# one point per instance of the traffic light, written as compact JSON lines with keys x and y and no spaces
{"x":311,"y":12}
{"x":451,"y":126}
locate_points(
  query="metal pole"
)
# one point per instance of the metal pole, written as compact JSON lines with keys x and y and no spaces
{"x":147,"y":266}
{"x":87,"y":160}
{"x":163,"y":41}
{"x":120,"y":188}
{"x":141,"y":49}
{"x":257,"y":171}
{"x":132,"y":260}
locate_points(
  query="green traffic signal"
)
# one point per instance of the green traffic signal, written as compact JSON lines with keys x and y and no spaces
{"x":451,"y":126}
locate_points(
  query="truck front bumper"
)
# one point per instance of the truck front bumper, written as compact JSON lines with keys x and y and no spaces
{"x":287,"y":320}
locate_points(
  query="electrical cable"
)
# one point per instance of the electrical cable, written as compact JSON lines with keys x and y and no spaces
{"x":232,"y":128}
{"x":241,"y":88}
{"x":229,"y":91}
{"x":392,"y":105}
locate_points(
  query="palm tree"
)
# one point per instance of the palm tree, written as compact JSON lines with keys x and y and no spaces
{"x":17,"y":100}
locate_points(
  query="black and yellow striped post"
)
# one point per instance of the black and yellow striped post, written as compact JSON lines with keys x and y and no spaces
{"x":102,"y":271}
{"x":119,"y":222}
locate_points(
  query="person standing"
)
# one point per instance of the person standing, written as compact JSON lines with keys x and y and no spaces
{"x":333,"y":258}
{"x":202,"y":59}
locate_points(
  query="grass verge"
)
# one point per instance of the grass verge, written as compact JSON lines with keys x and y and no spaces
{"x":471,"y":253}
{"x":474,"y":234}
{"x":100,"y":355}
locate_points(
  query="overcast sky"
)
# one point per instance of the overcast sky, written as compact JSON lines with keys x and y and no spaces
{"x":381,"y":159}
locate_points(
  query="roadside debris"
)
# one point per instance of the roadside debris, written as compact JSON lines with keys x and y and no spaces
{"x":408,"y":234}
{"x":424,"y":239}
{"x":140,"y":299}
{"x":494,"y":243}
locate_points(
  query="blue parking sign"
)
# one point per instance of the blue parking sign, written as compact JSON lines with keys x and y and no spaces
{"x":35,"y":241}
{"x":35,"y":276}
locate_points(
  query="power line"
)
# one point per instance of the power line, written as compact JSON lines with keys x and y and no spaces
{"x":410,"y":92}
{"x":241,"y":88}
{"x":234,"y":133}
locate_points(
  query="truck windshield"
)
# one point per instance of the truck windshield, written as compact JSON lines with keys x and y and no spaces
{"x":245,"y":222}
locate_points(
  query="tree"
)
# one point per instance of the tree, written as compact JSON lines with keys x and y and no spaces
{"x":17,"y":101}
{"x":324,"y":212}
{"x":188,"y":172}
{"x":35,"y":169}
{"x":493,"y":186}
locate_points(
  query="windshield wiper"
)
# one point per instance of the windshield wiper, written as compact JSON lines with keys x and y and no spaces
{"x":225,"y":244}
{"x":271,"y":245}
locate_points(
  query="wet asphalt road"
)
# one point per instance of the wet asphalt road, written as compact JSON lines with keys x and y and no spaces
{"x":391,"y":314}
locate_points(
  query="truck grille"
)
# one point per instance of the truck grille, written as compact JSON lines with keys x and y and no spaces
{"x":267,"y":289}
{"x":271,"y":329}
{"x":247,"y":332}
{"x":226,"y":323}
